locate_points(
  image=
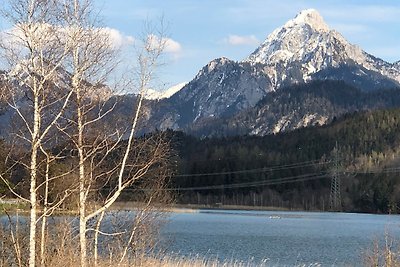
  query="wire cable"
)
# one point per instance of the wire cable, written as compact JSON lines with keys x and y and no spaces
{"x":264,"y":169}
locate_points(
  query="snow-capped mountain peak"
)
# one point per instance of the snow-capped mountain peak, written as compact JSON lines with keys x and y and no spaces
{"x":153,"y":94}
{"x":309,"y":17}
{"x":296,"y":39}
{"x":303,"y":50}
{"x":173,"y":90}
{"x":305,"y":46}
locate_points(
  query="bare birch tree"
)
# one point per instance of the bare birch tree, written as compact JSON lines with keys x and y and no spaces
{"x":61,"y":59}
{"x":90,"y":49}
{"x":91,"y":59}
{"x":35,"y":50}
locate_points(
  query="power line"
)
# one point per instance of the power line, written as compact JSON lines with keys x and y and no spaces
{"x":376,"y":171}
{"x":293,"y":179}
{"x":284,"y":180}
{"x":265,"y":169}
{"x":276,"y":181}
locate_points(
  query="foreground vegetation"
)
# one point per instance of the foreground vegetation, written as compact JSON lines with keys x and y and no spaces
{"x":13,"y":250}
{"x":57,"y":153}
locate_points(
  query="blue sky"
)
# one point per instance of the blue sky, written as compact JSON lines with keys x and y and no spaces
{"x":208,"y":29}
{"x":201,"y":30}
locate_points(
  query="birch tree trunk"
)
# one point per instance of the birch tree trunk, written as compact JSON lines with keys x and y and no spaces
{"x":37,"y":51}
{"x":34,"y":52}
{"x":32,"y":191}
{"x":92,"y":58}
{"x":82,"y":182}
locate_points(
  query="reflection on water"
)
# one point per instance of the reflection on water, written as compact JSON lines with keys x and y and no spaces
{"x":280,"y":238}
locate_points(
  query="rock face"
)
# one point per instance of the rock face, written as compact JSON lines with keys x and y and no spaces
{"x":221,"y":88}
{"x":298,"y":106}
{"x":303,"y":50}
{"x":306,"y":45}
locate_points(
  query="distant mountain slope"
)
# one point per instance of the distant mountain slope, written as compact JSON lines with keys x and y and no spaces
{"x":358,"y":76}
{"x":220,"y":89}
{"x":298,"y":106}
{"x":303,"y":50}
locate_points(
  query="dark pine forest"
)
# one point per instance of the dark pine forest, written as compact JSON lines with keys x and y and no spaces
{"x":293,"y":170}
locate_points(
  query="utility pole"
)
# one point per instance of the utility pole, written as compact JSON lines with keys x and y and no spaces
{"x":335,"y":198}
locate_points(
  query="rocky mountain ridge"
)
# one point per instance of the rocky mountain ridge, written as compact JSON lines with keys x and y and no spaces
{"x":303,"y":50}
{"x":248,"y":97}
{"x":308,"y":44}
{"x":303,"y":105}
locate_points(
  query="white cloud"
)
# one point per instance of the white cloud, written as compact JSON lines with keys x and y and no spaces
{"x":117,"y":38}
{"x":171,"y":46}
{"x":45,"y":32}
{"x":241,"y":40}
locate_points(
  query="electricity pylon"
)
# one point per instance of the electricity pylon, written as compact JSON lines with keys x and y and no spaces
{"x":335,"y":198}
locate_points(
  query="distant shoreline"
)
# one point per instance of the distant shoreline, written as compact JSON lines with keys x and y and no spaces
{"x":230,"y":207}
{"x":192,"y":208}
{"x":14,"y":205}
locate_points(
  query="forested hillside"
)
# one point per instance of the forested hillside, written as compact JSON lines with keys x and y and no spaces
{"x":293,"y":170}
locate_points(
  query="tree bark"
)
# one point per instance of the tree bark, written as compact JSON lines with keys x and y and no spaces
{"x":33,"y":180}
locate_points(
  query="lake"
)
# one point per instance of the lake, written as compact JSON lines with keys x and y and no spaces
{"x":279,"y":238}
{"x":272,"y":238}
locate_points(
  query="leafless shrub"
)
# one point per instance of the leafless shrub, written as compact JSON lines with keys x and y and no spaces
{"x":385,"y":255}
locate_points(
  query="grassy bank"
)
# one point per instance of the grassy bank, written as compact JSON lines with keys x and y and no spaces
{"x":166,"y":261}
{"x":12,"y":205}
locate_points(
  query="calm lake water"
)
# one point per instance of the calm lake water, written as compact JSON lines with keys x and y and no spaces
{"x":279,"y":238}
{"x":273,"y":238}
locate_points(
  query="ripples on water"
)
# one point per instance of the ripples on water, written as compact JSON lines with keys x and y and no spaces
{"x":271,"y":238}
{"x":279,"y":238}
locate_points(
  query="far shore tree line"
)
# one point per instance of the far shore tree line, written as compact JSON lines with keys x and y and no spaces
{"x":293,"y":170}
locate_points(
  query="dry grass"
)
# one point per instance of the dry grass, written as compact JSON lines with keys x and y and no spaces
{"x":184,"y":262}
{"x":205,"y":263}
{"x":386,"y":255}
{"x":63,"y":252}
{"x":62,"y":249}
